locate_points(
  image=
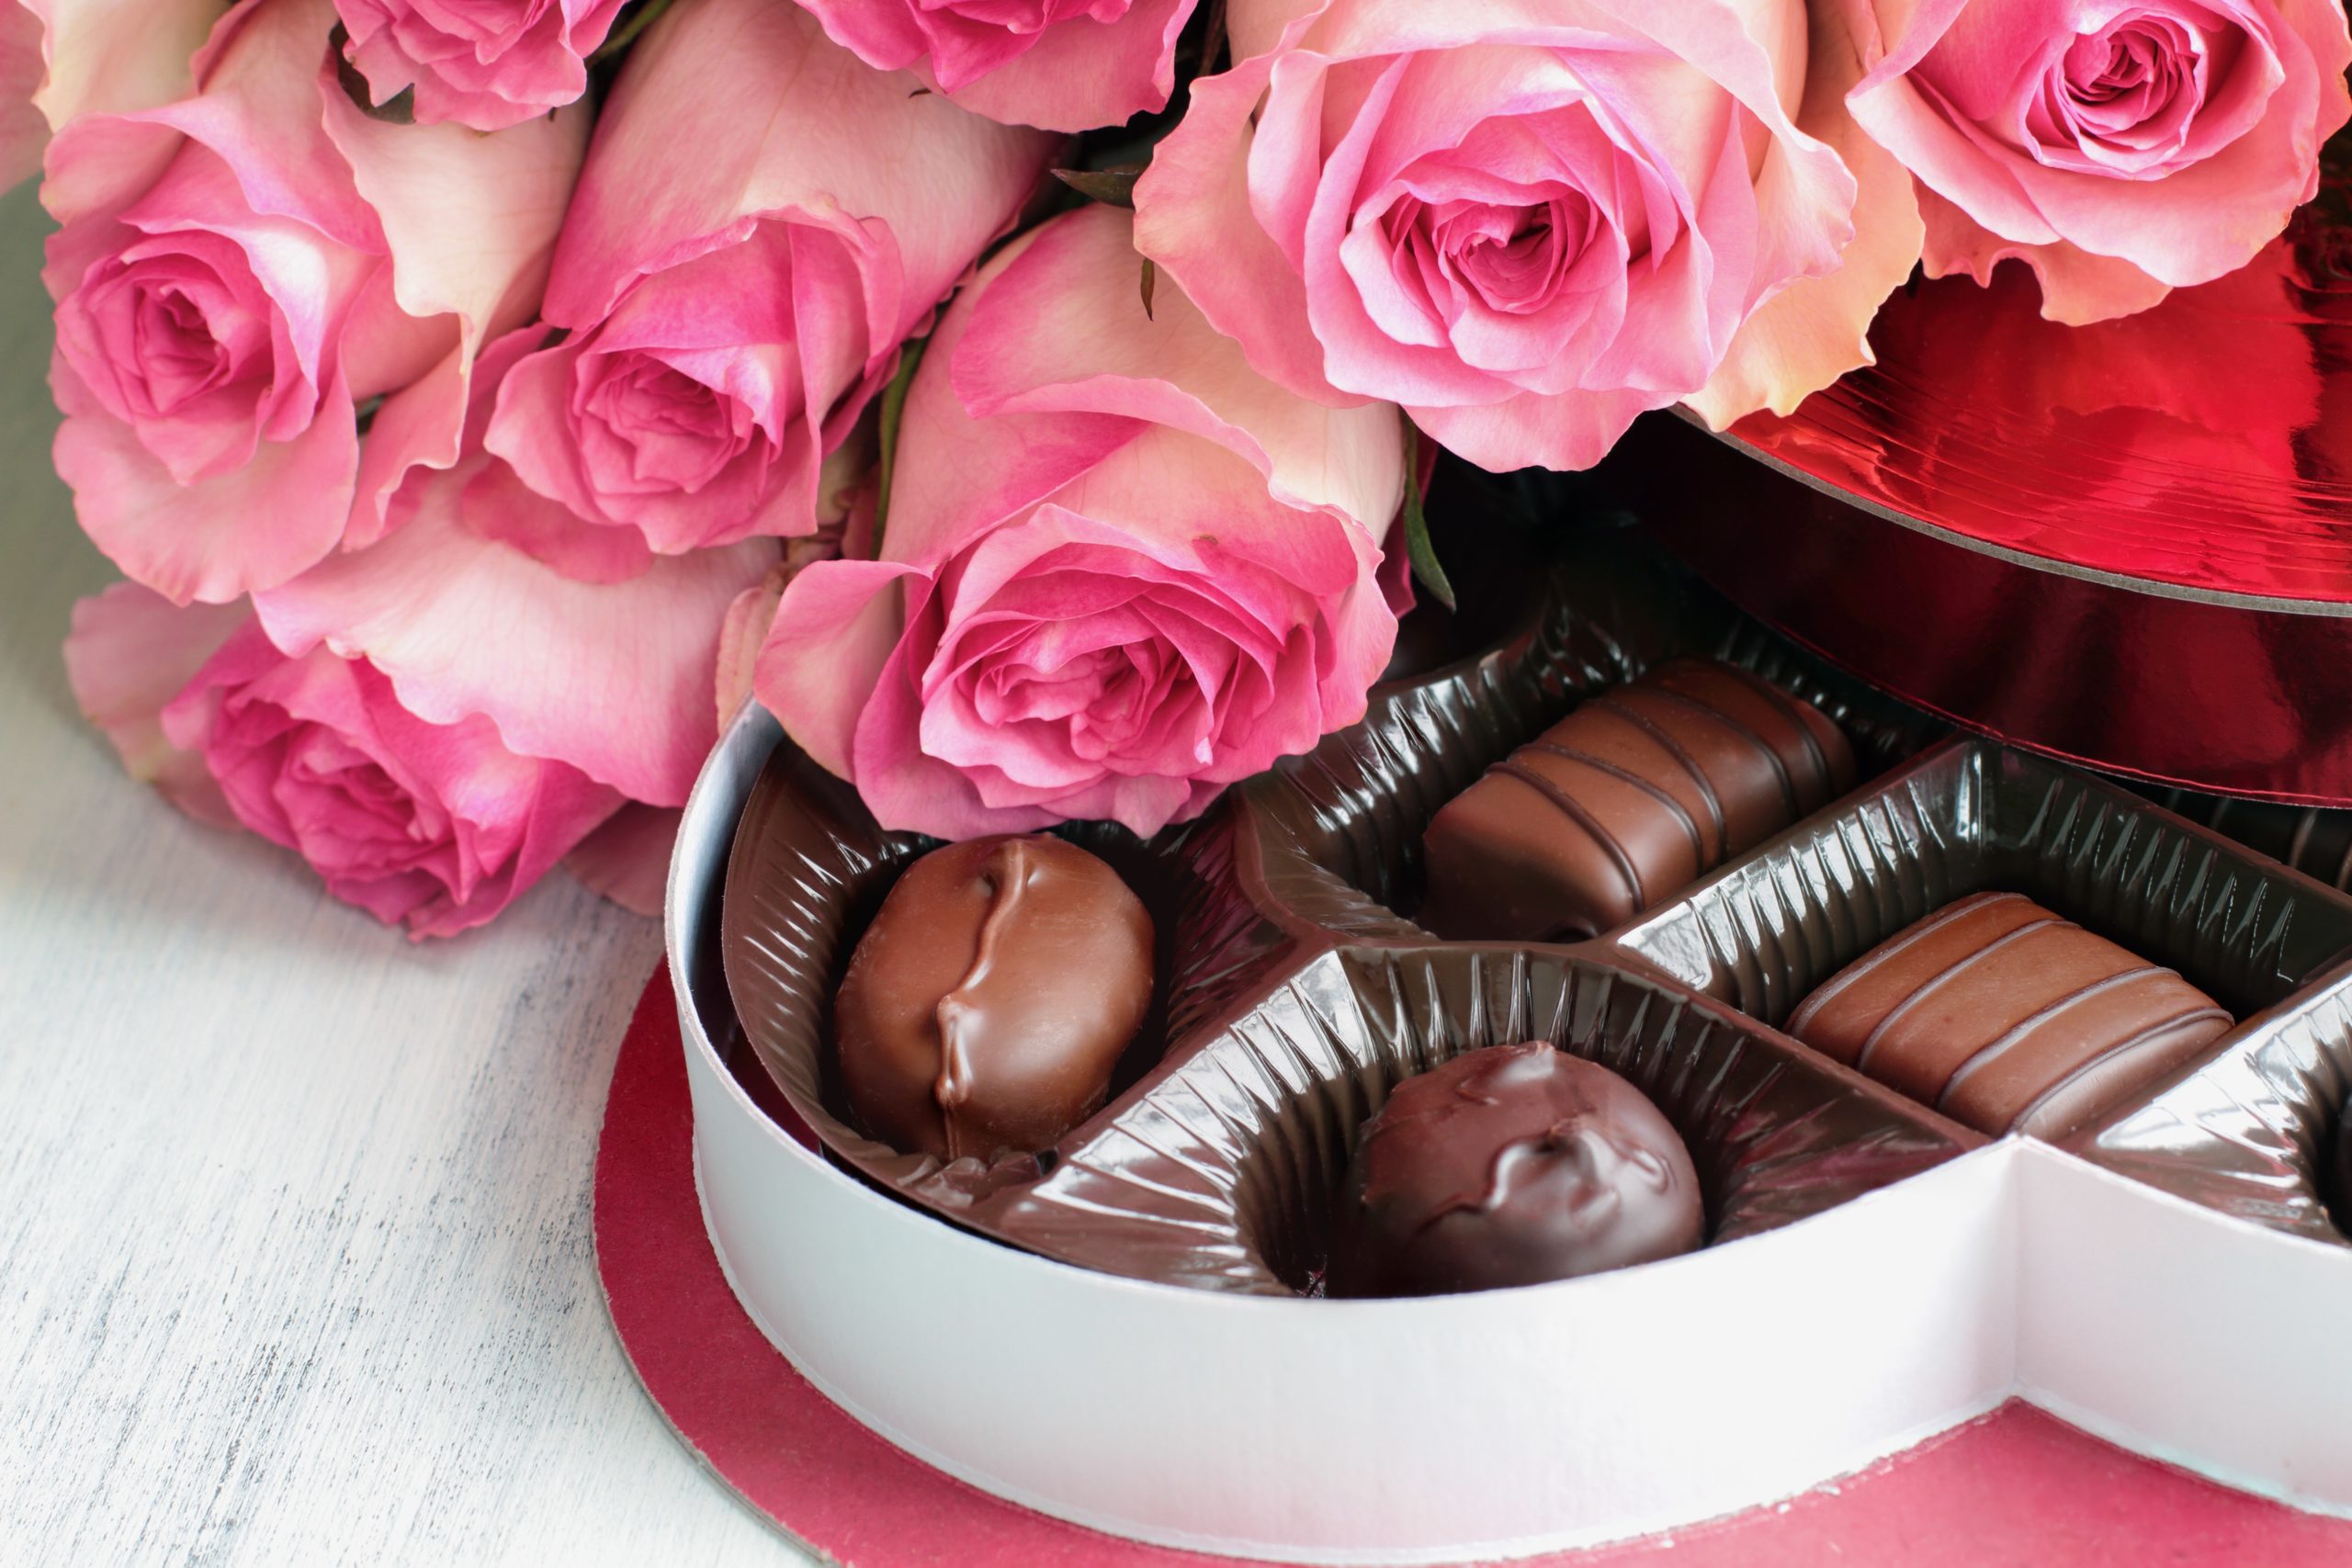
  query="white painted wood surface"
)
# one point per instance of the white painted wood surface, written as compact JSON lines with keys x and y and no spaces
{"x":295,"y":1245}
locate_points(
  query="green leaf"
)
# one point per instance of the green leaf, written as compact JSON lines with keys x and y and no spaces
{"x":1113,"y":186}
{"x":894,"y":405}
{"x":1418,"y":550}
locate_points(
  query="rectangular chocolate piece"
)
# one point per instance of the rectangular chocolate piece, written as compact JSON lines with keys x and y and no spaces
{"x":1639,"y":792}
{"x":2009,"y":1018}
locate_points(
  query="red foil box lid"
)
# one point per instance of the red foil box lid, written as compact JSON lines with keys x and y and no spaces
{"x":2129,"y":544}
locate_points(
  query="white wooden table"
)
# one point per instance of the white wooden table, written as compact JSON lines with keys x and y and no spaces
{"x":294,"y":1254}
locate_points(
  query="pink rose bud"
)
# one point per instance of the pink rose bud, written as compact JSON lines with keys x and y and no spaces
{"x":762,"y":220}
{"x":1527,"y":222}
{"x":2121,"y":151}
{"x":236,"y":272}
{"x":437,"y":826}
{"x":488,"y":66}
{"x":1061,"y":65}
{"x":1119,"y":570}
{"x":64,"y":58}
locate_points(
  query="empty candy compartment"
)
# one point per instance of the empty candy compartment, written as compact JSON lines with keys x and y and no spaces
{"x":1337,"y":833}
{"x":2251,"y":1132}
{"x":1220,"y":1173}
{"x":1970,"y":816}
{"x":809,"y":867}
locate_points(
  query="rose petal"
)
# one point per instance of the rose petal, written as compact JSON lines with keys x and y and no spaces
{"x":613,"y":679}
{"x":1193,"y":220}
{"x":192,"y":542}
{"x":470,"y":221}
{"x":1817,"y":329}
{"x":23,"y":131}
{"x":831,"y":132}
{"x":114,"y":56}
{"x":129,"y":652}
{"x":1057,"y":329}
{"x":486,"y":69}
{"x":742,"y":634}
{"x":2077,"y":288}
{"x":836,"y":630}
{"x":1081,"y":73}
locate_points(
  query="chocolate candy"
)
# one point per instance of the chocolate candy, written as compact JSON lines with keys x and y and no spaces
{"x":986,"y":1004}
{"x":1511,"y":1166}
{"x":1638,"y":793}
{"x":2009,"y":1018}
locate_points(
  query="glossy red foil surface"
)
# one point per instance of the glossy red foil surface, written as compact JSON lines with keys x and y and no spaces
{"x":2129,"y":545}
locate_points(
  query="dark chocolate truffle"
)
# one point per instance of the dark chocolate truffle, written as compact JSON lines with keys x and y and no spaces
{"x":1638,"y":793}
{"x":1511,"y":1166}
{"x":986,"y":1004}
{"x":2009,"y":1018}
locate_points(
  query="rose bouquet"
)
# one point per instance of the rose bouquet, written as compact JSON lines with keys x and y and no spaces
{"x":482,"y":402}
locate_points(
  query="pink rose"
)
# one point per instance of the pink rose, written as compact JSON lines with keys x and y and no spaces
{"x":452,"y":719}
{"x":64,"y":58}
{"x":488,"y":66}
{"x":2121,"y":150}
{"x":611,"y":672}
{"x":1119,"y":571}
{"x":762,"y":220}
{"x":438,"y":826}
{"x":238,"y":271}
{"x":1061,"y":65}
{"x":1528,"y":220}
{"x":512,"y":705}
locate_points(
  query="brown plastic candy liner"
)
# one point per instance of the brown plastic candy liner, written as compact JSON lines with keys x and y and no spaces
{"x":807,"y":871}
{"x":1339,"y":830}
{"x":1294,"y":995}
{"x":1236,"y":1109}
{"x":2248,"y":1133}
{"x":1222,"y":1175}
{"x":1969,"y":816}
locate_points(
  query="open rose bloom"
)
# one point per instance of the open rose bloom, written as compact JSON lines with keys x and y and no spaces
{"x":1119,"y":570}
{"x":1529,"y":223}
{"x":485,"y":65}
{"x":761,"y":222}
{"x":433,"y":722}
{"x":238,"y":271}
{"x":473,"y":464}
{"x":2122,"y":148}
{"x":434,"y":825}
